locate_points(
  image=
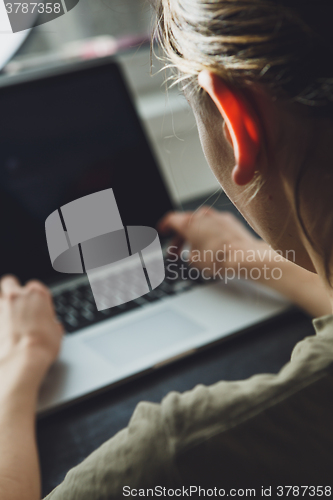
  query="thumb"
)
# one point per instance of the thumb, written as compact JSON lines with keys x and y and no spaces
{"x":9,"y":284}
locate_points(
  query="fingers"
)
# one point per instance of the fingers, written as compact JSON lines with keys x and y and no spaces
{"x":188,"y":227}
{"x":40,"y":288}
{"x":37,"y":286}
{"x":179,"y":222}
{"x":175,"y":245}
{"x":9,"y":284}
{"x":175,"y":222}
{"x":205,"y":210}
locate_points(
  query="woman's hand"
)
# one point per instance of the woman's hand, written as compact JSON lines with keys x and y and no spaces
{"x":216,"y":239}
{"x":30,"y":334}
{"x":30,"y":338}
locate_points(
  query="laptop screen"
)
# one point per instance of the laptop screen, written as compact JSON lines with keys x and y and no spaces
{"x":63,"y":137}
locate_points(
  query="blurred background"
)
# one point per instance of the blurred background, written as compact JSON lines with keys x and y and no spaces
{"x":99,"y":27}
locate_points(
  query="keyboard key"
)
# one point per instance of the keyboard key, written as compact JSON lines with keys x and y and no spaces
{"x":75,"y":300}
{"x":60,"y":308}
{"x":88,"y":314}
{"x":87,"y":305}
{"x":76,"y":308}
{"x":72,"y":310}
{"x":71,"y":320}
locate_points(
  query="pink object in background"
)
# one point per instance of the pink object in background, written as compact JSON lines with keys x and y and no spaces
{"x":91,"y":48}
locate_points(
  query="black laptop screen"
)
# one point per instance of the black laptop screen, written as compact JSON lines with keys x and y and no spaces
{"x":63,"y":137}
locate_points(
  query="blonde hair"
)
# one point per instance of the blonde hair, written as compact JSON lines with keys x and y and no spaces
{"x":246,"y":41}
{"x":286,"y":45}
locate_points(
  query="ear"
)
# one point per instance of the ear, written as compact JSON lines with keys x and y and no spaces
{"x":242,"y":125}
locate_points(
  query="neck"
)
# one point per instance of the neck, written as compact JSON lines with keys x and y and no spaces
{"x":311,"y":182}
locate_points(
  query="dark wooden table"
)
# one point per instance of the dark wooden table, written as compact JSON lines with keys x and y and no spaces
{"x":70,"y":435}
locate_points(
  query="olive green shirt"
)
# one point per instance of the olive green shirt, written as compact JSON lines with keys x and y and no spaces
{"x":268,"y":430}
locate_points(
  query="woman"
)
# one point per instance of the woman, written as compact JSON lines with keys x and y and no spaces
{"x":259,"y":77}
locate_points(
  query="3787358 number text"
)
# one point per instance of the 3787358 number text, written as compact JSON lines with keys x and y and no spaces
{"x":303,"y":491}
{"x":25,"y":8}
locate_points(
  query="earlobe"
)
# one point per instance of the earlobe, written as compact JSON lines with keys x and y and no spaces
{"x":241,"y":123}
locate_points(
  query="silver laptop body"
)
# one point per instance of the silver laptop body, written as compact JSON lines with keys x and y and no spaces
{"x":71,"y":132}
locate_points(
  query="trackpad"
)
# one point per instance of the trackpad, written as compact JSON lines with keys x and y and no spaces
{"x":147,"y":336}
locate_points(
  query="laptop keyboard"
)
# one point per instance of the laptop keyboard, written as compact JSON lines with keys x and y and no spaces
{"x":76,"y":308}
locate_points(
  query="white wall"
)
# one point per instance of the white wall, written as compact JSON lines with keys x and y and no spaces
{"x":171,"y":127}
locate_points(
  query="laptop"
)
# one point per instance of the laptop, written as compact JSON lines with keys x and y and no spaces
{"x":70,"y":132}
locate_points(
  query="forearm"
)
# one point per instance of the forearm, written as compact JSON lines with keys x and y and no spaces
{"x":303,"y":288}
{"x":30,"y":338}
{"x":19,"y":466}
